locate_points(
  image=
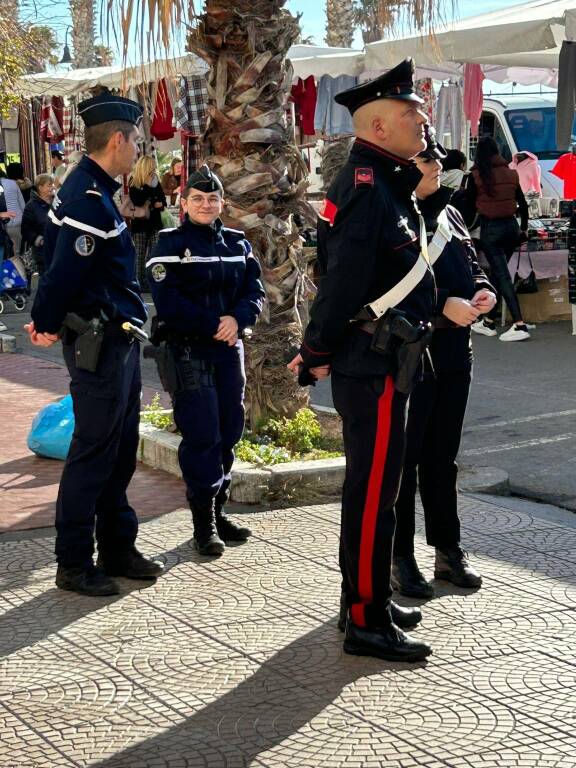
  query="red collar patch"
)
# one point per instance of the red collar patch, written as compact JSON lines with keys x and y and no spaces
{"x":363,"y":176}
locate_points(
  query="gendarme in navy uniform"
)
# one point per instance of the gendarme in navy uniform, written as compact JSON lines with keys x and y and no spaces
{"x":368,"y":241}
{"x":87,"y":292}
{"x":206,"y":286}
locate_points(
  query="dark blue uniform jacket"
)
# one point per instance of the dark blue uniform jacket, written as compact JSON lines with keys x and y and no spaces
{"x":368,"y":240}
{"x":198,"y":273}
{"x":89,"y":255}
{"x":458,"y":274}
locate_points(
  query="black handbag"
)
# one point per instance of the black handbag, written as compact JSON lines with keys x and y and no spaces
{"x":527,"y":284}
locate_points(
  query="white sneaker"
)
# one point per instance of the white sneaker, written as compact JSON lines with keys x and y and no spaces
{"x":481,"y":326}
{"x":515,"y":333}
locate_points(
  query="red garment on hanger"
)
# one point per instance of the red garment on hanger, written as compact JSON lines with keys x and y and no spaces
{"x":473,"y":96}
{"x":161,"y":127}
{"x":303,"y":94}
{"x":52,"y":119}
{"x":565,"y":169}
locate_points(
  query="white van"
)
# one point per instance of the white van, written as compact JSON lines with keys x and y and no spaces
{"x":524,"y":122}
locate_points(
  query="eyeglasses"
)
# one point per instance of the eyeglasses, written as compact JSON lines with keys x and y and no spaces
{"x":198,"y":201}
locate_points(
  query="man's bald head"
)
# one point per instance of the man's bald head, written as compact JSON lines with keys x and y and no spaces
{"x":393,"y":124}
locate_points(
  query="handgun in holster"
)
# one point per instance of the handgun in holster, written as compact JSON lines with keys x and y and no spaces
{"x":165,"y":359}
{"x":396,"y":336}
{"x":89,"y":335}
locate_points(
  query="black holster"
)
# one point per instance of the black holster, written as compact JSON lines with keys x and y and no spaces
{"x":178,"y":369}
{"x":165,"y":359}
{"x":396,"y":337}
{"x":87,"y":336}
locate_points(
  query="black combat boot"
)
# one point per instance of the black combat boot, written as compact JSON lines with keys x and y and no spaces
{"x":227,"y":529}
{"x":86,"y":581}
{"x":405,"y":618}
{"x":131,"y":565}
{"x":452,"y":564}
{"x":206,"y":538}
{"x":388,"y":642}
{"x":408,"y":579}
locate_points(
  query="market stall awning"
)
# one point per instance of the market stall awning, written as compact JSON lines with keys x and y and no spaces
{"x":317,"y":60}
{"x":529,"y":35}
{"x":79,"y":80}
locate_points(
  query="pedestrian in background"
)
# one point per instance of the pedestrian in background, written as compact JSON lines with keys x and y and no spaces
{"x":147,"y":195}
{"x":88,"y":293}
{"x":35,"y":218}
{"x":15,"y":205}
{"x":453,"y":169}
{"x":15,"y":171}
{"x":171,"y":180}
{"x":58,"y":167}
{"x":498,"y":197}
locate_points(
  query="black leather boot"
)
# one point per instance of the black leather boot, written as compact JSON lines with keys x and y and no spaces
{"x":389,"y":643}
{"x":227,"y":529}
{"x":453,"y":565}
{"x":405,"y":618}
{"x":206,"y":539}
{"x":86,"y":581}
{"x":131,"y":565}
{"x":408,"y":579}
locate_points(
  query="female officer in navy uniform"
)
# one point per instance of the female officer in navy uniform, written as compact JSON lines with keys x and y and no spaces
{"x":438,"y":403}
{"x":206,"y":286}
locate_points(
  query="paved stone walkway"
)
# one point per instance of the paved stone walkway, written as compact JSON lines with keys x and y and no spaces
{"x":28,"y":484}
{"x":238,"y":662}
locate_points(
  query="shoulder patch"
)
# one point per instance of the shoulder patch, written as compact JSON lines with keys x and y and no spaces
{"x":363,"y":176}
{"x":328,"y":211}
{"x":158,"y":272}
{"x":84,"y":245}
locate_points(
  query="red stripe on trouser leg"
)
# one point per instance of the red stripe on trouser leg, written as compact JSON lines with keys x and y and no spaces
{"x":372,"y":503}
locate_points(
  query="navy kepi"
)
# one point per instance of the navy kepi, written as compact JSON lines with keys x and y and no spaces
{"x":107,"y":107}
{"x":434,"y":150}
{"x":397,"y":83}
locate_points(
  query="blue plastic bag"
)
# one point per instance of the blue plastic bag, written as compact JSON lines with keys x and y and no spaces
{"x":52,"y":429}
{"x":10,"y":277}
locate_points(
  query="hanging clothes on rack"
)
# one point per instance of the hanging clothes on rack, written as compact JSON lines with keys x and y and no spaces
{"x":190,"y":113}
{"x":566,"y":100}
{"x":425,"y":89}
{"x":450,"y":114}
{"x":52,"y":119}
{"x":329,"y":117}
{"x":473,"y":95}
{"x":528,"y":169}
{"x":304,"y":96}
{"x":161,"y":127}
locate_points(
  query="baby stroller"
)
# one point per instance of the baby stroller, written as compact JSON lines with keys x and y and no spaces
{"x":13,"y":283}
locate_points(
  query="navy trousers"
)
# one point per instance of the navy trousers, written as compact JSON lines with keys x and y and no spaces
{"x":210,"y":416}
{"x":102,"y":456}
{"x":435,"y":420}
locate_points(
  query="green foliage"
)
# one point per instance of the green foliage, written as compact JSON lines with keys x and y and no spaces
{"x":154,"y":414}
{"x":261,"y":453}
{"x":299,"y":434}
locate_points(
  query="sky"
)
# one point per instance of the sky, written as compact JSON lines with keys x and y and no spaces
{"x":55,"y":13}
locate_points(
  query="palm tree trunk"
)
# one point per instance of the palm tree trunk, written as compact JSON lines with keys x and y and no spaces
{"x":83,"y":33}
{"x":265,"y":178}
{"x":340,"y":23}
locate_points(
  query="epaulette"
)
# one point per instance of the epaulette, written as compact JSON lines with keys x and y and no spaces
{"x":93,"y":192}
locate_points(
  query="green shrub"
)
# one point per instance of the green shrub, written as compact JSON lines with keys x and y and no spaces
{"x":300,"y":434}
{"x":154,"y":414}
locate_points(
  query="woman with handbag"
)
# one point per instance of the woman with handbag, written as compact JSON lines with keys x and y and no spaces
{"x":148,"y":202}
{"x":496,"y":190}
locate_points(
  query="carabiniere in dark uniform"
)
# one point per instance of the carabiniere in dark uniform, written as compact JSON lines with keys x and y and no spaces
{"x":368,"y":241}
{"x":87,"y":294}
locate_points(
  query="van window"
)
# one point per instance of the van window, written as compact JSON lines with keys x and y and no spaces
{"x":490,"y":126}
{"x":534,"y":130}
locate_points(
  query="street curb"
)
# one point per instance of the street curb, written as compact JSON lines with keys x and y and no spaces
{"x":296,"y":481}
{"x":7,"y":343}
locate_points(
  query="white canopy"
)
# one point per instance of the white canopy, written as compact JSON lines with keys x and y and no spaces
{"x":78,"y":80}
{"x":526,"y":35}
{"x":317,"y":60}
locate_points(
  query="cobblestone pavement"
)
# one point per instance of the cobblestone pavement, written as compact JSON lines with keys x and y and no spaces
{"x":238,"y":662}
